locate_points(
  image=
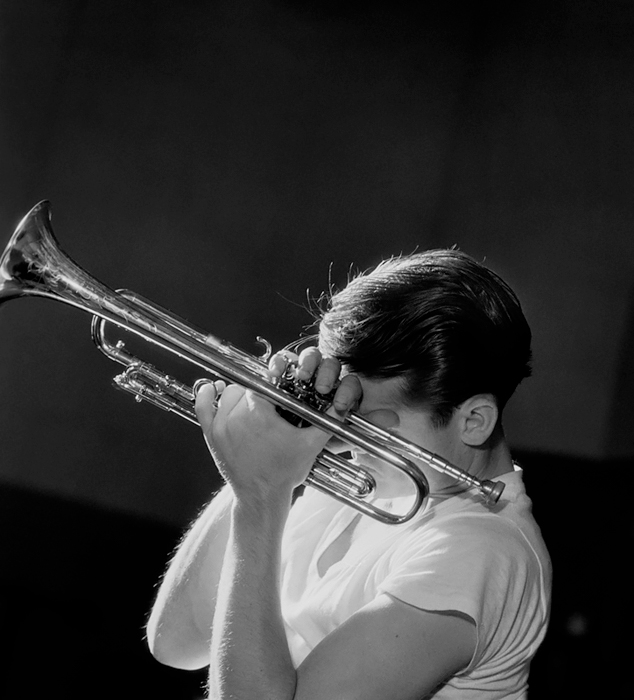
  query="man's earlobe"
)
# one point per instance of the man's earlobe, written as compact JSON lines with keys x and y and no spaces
{"x":479,"y":416}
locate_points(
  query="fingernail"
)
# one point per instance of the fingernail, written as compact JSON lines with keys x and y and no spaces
{"x":199,"y":384}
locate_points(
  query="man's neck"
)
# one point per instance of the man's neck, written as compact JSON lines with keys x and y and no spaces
{"x":488,"y":461}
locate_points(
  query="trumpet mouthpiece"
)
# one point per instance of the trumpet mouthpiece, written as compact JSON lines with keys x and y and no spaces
{"x":492,"y":491}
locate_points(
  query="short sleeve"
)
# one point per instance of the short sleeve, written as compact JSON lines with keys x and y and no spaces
{"x":478,"y":565}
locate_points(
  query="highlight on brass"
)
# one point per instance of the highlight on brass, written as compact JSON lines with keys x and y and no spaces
{"x":33,"y":264}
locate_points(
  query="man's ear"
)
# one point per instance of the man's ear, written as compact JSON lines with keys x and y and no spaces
{"x":478,"y":417}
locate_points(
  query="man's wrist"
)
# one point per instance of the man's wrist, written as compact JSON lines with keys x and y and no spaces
{"x":262,"y":508}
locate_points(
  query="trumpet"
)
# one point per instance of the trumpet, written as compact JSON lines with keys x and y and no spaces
{"x":33,"y":264}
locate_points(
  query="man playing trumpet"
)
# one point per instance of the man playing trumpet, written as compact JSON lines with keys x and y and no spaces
{"x":306,"y":598}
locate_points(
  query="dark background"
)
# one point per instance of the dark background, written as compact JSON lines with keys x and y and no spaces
{"x":222,"y":158}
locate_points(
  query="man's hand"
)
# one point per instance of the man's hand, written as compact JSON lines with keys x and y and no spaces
{"x":256,"y":450}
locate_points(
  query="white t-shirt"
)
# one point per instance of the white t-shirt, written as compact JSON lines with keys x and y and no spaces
{"x":458,"y":554}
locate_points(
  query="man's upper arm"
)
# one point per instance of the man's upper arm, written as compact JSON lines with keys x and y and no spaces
{"x":179,"y":625}
{"x":388,"y":650}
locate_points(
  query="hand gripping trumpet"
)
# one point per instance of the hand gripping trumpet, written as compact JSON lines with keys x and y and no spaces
{"x":33,"y":264}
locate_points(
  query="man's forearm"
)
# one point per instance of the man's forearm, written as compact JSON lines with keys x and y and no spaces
{"x":179,"y":627}
{"x":250,"y":658}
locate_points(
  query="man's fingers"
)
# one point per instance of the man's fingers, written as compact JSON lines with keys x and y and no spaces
{"x":327,"y":376}
{"x":324,"y":371}
{"x":206,"y":394}
{"x":348,"y":394}
{"x":308,"y":362}
{"x":212,"y":396}
{"x":279,"y":362}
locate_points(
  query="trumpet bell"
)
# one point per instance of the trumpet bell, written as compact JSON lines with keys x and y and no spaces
{"x":33,"y":264}
{"x":25,"y":255}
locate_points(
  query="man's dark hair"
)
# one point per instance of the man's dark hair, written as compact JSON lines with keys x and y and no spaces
{"x":449,"y":326}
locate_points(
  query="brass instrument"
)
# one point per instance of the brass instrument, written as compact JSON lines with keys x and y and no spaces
{"x":34,"y":265}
